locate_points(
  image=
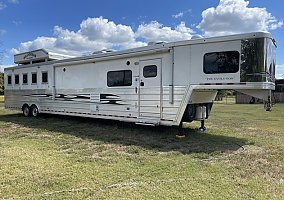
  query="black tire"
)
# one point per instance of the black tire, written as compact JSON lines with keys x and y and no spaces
{"x":189,"y":113}
{"x":34,"y":111}
{"x":252,"y":100}
{"x":26,"y":111}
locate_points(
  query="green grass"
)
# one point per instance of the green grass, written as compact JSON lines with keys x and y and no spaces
{"x":53,"y":157}
{"x":227,"y":100}
{"x":1,"y":99}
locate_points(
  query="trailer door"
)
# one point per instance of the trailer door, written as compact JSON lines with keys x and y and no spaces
{"x":150,"y":88}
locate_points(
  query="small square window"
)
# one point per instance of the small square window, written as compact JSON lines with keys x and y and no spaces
{"x":34,"y":78}
{"x":9,"y":80}
{"x":25,"y":78}
{"x":17,"y":79}
{"x":150,"y":71}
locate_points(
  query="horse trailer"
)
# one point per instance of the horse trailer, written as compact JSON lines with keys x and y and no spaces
{"x":159,"y":84}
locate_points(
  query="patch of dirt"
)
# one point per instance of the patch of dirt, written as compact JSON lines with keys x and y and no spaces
{"x":252,"y":149}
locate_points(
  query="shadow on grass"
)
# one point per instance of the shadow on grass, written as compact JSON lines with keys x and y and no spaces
{"x":160,"y":139}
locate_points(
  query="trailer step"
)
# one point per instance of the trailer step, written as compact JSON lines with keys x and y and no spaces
{"x":148,"y":122}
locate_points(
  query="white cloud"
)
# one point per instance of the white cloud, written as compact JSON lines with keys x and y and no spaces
{"x":155,"y":31}
{"x":2,"y":6}
{"x":94,"y":34}
{"x":180,"y":14}
{"x":14,"y":1}
{"x":38,"y":43}
{"x":105,"y":30}
{"x":234,"y":16}
{"x":2,"y":31}
{"x":17,"y":22}
{"x":2,"y":67}
{"x":279,"y":74}
{"x":100,"y":33}
{"x":276,"y":25}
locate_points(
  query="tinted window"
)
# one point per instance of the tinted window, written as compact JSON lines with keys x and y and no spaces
{"x":34,"y":77}
{"x":25,"y":78}
{"x":258,"y":60}
{"x":150,"y":71}
{"x":17,"y":79}
{"x":9,"y":80}
{"x":221,"y":62}
{"x":44,"y":77}
{"x":119,"y":78}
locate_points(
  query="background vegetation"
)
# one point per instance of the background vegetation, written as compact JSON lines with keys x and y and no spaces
{"x":1,"y":74}
{"x":53,"y":157}
{"x":1,"y":83}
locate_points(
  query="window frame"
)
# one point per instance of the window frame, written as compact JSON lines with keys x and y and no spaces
{"x":9,"y":77}
{"x":206,"y":71}
{"x":124,"y":80}
{"x":17,"y":81}
{"x":25,"y":83}
{"x":44,"y":72}
{"x":34,"y":73}
{"x":151,"y":76}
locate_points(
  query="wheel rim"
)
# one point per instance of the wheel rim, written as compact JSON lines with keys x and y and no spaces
{"x":26,"y":111}
{"x":35,"y":111}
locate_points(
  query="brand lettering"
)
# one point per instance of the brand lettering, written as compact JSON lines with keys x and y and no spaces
{"x":29,"y":55}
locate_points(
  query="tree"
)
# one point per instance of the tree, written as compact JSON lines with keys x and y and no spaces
{"x":1,"y":83}
{"x":1,"y":74}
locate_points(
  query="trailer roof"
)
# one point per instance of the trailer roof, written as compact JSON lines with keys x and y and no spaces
{"x":155,"y":47}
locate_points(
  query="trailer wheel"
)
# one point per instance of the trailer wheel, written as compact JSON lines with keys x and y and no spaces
{"x":189,"y":114}
{"x":34,"y":111}
{"x":26,"y":111}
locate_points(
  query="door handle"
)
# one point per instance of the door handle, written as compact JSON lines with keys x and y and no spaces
{"x":142,"y":83}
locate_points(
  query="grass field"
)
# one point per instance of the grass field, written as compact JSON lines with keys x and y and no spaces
{"x":52,"y":157}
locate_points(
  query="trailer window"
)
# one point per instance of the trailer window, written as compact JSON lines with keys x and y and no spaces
{"x":221,"y":62}
{"x":119,"y":78}
{"x":25,"y":78}
{"x":9,"y":80}
{"x":258,"y":60}
{"x":44,"y":77}
{"x":150,"y":71}
{"x":34,"y":78}
{"x":17,"y":79}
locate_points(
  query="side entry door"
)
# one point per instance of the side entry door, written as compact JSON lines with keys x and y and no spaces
{"x":150,"y":88}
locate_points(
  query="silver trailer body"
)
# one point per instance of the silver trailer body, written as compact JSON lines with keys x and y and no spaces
{"x":160,"y":84}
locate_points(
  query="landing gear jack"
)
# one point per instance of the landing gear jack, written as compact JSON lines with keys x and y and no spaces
{"x":181,"y":133}
{"x":268,"y":103}
{"x":202,"y":127}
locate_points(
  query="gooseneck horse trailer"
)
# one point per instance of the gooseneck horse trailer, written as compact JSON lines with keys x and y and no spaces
{"x":159,"y":84}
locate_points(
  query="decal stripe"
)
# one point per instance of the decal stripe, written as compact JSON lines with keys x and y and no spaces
{"x":80,"y":113}
{"x":241,"y":83}
{"x":104,"y":98}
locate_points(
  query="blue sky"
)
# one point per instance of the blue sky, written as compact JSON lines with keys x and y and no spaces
{"x":80,"y":27}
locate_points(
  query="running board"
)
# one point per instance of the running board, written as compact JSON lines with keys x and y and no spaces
{"x":148,"y":122}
